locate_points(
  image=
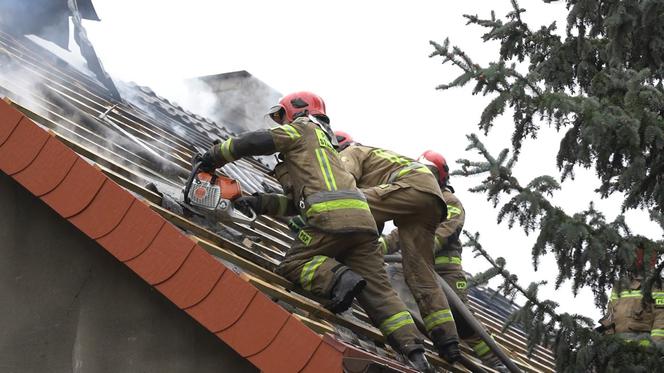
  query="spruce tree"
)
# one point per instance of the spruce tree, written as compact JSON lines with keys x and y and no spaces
{"x":600,"y":84}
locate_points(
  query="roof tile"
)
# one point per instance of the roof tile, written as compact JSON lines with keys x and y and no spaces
{"x":294,"y":340}
{"x":325,"y":359}
{"x":9,"y":118}
{"x":104,"y":212}
{"x":48,"y":169}
{"x":77,"y":189}
{"x":22,"y":147}
{"x":194,"y":280}
{"x":225,"y":304}
{"x":257,"y":327}
{"x":163,"y":257}
{"x":134,"y":234}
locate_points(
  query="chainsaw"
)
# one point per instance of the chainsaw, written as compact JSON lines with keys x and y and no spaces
{"x":212,"y":196}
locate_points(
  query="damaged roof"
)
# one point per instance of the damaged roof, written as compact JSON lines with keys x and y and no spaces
{"x":89,"y":156}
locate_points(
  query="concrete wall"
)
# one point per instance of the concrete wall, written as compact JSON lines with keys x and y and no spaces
{"x":67,"y":305}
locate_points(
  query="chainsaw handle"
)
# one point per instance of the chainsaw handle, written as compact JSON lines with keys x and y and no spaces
{"x":194,"y":171}
{"x":240,"y":217}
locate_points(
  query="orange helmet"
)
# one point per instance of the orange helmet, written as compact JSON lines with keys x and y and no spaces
{"x":433,"y":159}
{"x":344,"y":139}
{"x":296,"y":105}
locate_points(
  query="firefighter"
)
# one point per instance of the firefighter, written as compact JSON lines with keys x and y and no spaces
{"x":335,"y":255}
{"x":447,"y":254}
{"x":400,"y":189}
{"x":628,"y":316}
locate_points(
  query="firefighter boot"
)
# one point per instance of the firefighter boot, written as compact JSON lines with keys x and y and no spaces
{"x":347,"y":285}
{"x":448,"y":346}
{"x":420,"y":362}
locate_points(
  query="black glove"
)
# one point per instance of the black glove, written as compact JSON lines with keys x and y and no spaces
{"x":245,"y":203}
{"x":207,"y":162}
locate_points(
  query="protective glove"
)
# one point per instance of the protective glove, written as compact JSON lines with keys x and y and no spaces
{"x":245,"y":203}
{"x":207,"y":162}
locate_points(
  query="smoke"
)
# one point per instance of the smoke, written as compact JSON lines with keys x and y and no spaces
{"x":241,"y":100}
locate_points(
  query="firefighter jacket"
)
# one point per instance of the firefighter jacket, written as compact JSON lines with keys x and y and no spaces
{"x":372,"y":167}
{"x":322,"y":191}
{"x":447,"y":241}
{"x":627,"y":313}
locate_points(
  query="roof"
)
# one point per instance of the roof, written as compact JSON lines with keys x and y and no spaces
{"x":90,"y":157}
{"x":162,"y":255}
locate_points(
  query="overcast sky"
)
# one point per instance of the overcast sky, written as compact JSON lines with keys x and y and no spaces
{"x":369,"y":61}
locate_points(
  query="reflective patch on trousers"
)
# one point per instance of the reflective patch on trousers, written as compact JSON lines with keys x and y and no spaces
{"x":437,"y":318}
{"x":307,"y":274}
{"x":396,"y":321}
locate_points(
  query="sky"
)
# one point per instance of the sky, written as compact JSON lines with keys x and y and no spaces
{"x":370,"y":61}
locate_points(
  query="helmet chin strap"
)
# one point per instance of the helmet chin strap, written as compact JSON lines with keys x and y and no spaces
{"x":326,"y":128}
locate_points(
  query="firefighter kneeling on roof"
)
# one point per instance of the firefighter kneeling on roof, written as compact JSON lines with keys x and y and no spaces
{"x":629,"y":315}
{"x":335,"y":255}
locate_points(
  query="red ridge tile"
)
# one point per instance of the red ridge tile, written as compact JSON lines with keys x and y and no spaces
{"x":194,"y":280}
{"x":76,"y":191}
{"x":257,"y":327}
{"x":48,"y":169}
{"x":226,"y":303}
{"x":294,"y":340}
{"x":9,"y":118}
{"x":22,"y":147}
{"x":104,"y":212}
{"x":163,"y":257}
{"x":325,"y":359}
{"x":134,"y":234}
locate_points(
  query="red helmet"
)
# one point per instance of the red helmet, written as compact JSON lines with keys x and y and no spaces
{"x":344,"y":139}
{"x":431,"y":158}
{"x":298,"y":104}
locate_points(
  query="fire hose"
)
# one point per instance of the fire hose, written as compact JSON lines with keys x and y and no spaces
{"x":460,"y":308}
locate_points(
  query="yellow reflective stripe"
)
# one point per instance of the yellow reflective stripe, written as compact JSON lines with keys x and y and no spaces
{"x":481,"y":349}
{"x":307,"y":274}
{"x":631,"y":294}
{"x":658,"y":294}
{"x":225,"y":148}
{"x":657,"y":333}
{"x":644,"y":343}
{"x":394,"y":322}
{"x":325,"y":168}
{"x":337,"y":205}
{"x":437,"y":318}
{"x":290,"y":131}
{"x":382,"y":244}
{"x":326,"y":161}
{"x":448,"y":260}
{"x":391,"y":157}
{"x":453,"y":211}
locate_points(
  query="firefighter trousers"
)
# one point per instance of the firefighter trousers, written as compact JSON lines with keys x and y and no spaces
{"x":448,"y":266}
{"x":416,"y":214}
{"x":315,"y":258}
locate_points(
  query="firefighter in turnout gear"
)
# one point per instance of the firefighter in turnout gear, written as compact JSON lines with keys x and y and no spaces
{"x":447,"y":254}
{"x":400,"y":189}
{"x":630,"y":316}
{"x":335,"y":254}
